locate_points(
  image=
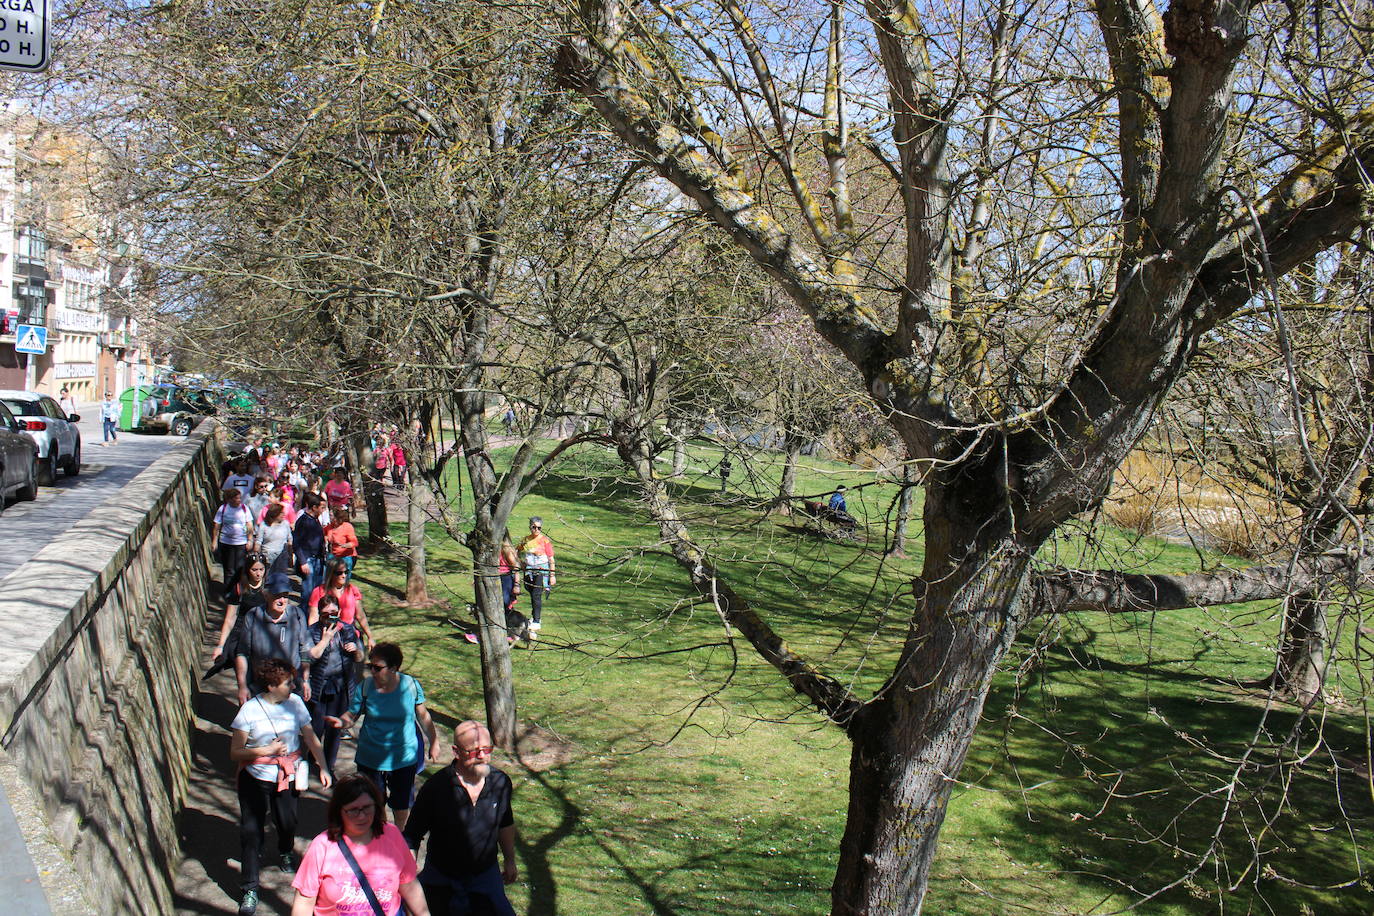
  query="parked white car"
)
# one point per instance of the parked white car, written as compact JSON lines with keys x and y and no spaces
{"x":18,"y":461}
{"x":56,"y":434}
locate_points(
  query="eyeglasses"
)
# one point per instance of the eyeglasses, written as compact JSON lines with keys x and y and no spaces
{"x":376,"y":667}
{"x":472,"y":754}
{"x":360,"y":810}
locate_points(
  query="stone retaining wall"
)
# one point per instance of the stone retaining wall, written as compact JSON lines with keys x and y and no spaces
{"x":100,"y":639}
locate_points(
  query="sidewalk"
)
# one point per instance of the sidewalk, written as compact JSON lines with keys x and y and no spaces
{"x":208,"y":880}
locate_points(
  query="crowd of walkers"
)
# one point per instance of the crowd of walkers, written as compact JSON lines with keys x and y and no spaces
{"x":310,"y":674}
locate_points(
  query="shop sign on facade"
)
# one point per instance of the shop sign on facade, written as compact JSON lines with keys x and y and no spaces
{"x":74,"y":370}
{"x":73,"y":320}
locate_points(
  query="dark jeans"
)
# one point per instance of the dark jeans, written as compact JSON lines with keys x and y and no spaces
{"x":231,"y":560}
{"x":332,"y":704}
{"x":256,"y":797}
{"x":474,"y":895}
{"x":310,"y":580}
{"x":507,"y":590}
{"x":537,"y":584}
{"x":109,"y":430}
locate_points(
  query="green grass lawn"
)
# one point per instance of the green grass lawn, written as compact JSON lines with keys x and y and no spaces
{"x":693,"y":782}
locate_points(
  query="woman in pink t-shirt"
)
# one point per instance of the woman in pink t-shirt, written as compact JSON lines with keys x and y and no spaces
{"x":350,"y":599}
{"x":398,"y":466}
{"x":339,"y":491}
{"x":280,"y":497}
{"x":326,"y":885}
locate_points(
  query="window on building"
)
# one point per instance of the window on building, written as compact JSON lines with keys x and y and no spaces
{"x":32,"y":302}
{"x":32,"y":247}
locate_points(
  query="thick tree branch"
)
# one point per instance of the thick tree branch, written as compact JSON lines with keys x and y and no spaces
{"x":1132,"y":32}
{"x":1318,"y":203}
{"x":601,"y":68}
{"x":829,"y":695}
{"x":920,"y":131}
{"x":1114,"y":592}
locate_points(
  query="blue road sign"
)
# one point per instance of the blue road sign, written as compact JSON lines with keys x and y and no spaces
{"x":30,"y":338}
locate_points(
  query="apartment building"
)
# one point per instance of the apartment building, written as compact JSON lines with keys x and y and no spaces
{"x":63,"y":267}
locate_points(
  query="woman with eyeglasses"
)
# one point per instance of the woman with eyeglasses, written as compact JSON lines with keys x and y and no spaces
{"x":349,"y":597}
{"x":380,"y":859}
{"x":389,"y":749}
{"x":257,"y":500}
{"x":337,"y":648}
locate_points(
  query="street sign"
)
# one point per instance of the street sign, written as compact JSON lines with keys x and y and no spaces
{"x":30,"y":338}
{"x":24,"y":35}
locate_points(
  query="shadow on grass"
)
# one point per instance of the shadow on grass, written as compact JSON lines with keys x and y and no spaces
{"x":535,"y":855}
{"x":1138,"y":782}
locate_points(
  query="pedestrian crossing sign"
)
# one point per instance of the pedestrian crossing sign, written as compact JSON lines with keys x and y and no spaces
{"x":30,"y":338}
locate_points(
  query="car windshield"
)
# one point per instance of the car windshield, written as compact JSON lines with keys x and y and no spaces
{"x":23,"y":408}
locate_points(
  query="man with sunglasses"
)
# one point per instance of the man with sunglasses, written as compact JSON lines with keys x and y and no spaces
{"x":465,"y":809}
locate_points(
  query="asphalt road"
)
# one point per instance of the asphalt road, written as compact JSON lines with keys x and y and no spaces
{"x":26,"y":528}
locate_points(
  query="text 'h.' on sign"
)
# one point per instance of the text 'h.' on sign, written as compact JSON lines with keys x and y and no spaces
{"x":24,"y":34}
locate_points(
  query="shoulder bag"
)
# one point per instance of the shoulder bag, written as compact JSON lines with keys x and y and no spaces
{"x":362,"y":878}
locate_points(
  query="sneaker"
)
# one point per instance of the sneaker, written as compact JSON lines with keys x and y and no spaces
{"x":249,"y":905}
{"x":534,"y":624}
{"x":290,"y":862}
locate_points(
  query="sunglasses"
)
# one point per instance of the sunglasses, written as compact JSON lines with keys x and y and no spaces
{"x":472,"y":754}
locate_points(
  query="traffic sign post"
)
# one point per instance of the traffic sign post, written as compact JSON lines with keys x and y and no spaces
{"x":30,"y":338}
{"x":24,"y":34}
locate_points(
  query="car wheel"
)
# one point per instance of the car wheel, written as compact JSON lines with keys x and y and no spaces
{"x":182,"y":427}
{"x":47,"y":469}
{"x":74,"y":467}
{"x":29,"y":491}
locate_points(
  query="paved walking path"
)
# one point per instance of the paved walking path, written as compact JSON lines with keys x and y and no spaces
{"x":28,"y":527}
{"x":208,"y":880}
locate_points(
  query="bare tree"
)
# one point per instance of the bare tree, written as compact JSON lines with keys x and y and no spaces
{"x":1023,"y":345}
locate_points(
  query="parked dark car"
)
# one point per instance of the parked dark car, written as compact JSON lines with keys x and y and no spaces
{"x":18,"y":460}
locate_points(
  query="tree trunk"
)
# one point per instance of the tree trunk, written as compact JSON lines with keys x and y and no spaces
{"x":374,"y":496}
{"x":418,"y":497}
{"x":498,"y":685}
{"x":1300,"y":669}
{"x":678,"y":431}
{"x":1300,"y":665}
{"x":490,"y":512}
{"x":899,"y":525}
{"x":792,"y":446}
{"x":910,"y":741}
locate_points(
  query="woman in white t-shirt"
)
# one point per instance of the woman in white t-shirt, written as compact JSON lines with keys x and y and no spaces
{"x":233,"y":535}
{"x":268,"y":732}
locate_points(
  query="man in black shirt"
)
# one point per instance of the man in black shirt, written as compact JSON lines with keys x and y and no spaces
{"x":465,"y":809}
